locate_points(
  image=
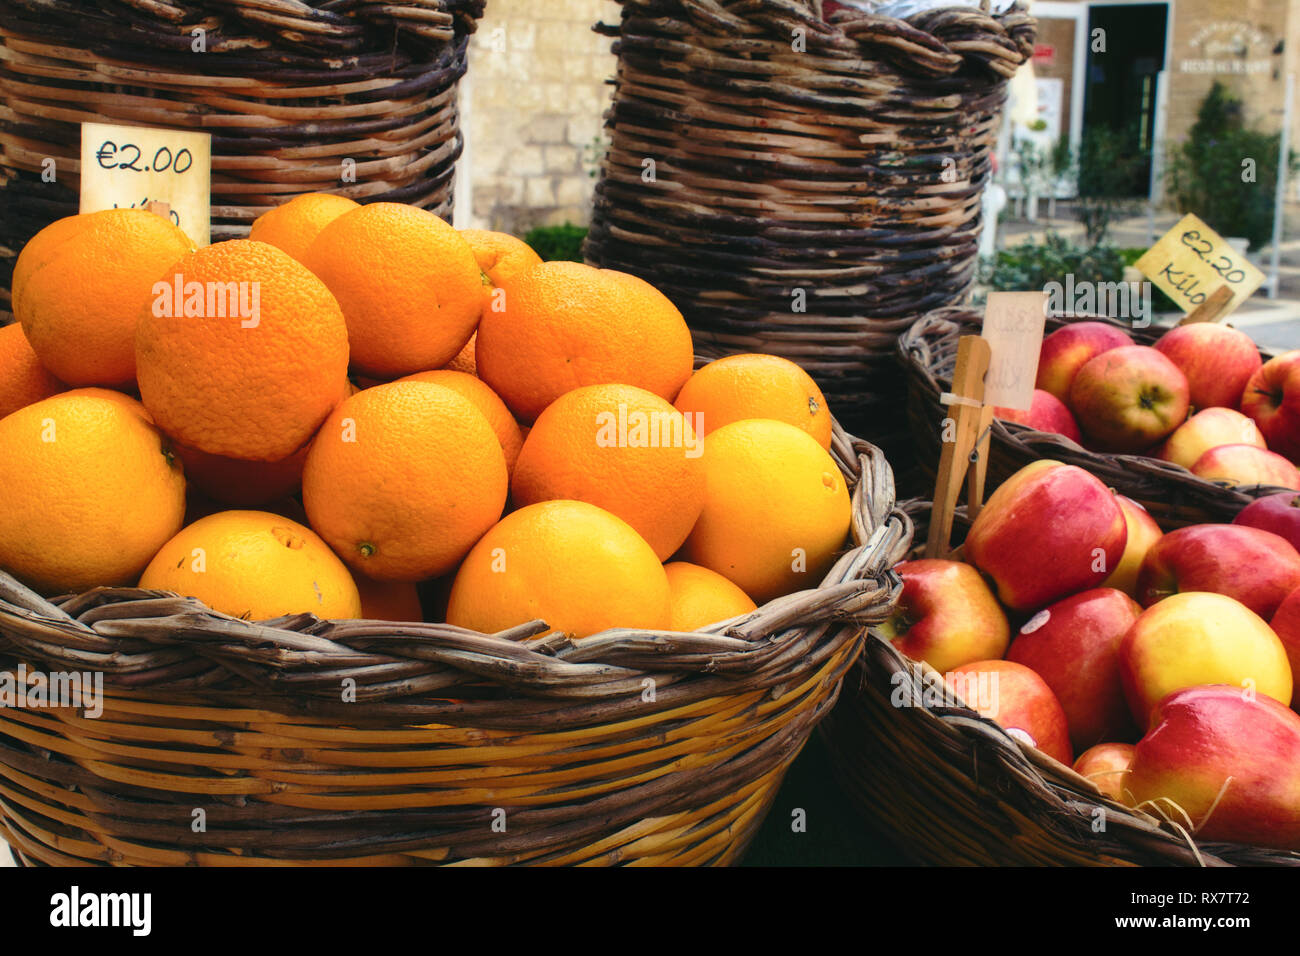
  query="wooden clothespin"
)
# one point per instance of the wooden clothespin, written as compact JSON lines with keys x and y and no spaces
{"x":1212,"y":309}
{"x":966,"y":456}
{"x":159,"y":208}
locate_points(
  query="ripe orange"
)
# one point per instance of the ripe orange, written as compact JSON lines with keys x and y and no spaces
{"x":389,"y":600}
{"x":701,"y":597}
{"x":622,"y":449}
{"x":737,"y":387}
{"x":573,"y":565}
{"x":464,"y":360}
{"x":566,"y":325}
{"x":487,"y":401}
{"x":90,"y":493}
{"x":500,"y":257}
{"x":408,"y":285}
{"x":23,"y":379}
{"x":403,"y":478}
{"x":254,"y":565}
{"x":82,"y":288}
{"x":254,"y":387}
{"x":776,"y":509}
{"x":293,"y":226}
{"x":241,"y":484}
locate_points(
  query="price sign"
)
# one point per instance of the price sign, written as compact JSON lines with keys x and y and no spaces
{"x":1013,"y":326}
{"x":130,"y":166}
{"x":1191,"y":262}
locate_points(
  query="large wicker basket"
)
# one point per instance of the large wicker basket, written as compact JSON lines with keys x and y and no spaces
{"x":288,"y":90}
{"x":800,"y":184}
{"x":949,"y":787}
{"x":626,"y":747}
{"x":1174,"y":496}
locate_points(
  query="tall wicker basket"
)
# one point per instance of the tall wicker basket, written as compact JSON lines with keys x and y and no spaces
{"x":804,"y":184}
{"x":288,"y":90}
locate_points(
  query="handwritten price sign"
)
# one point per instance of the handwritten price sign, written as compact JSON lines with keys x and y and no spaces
{"x":1191,"y":262}
{"x":1013,"y":326}
{"x":131,"y":166}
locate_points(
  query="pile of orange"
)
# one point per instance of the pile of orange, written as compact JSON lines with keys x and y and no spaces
{"x":360,"y":405}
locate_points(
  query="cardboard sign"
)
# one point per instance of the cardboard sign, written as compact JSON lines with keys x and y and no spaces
{"x":130,"y":166}
{"x":1013,"y":326}
{"x":1191,"y":262}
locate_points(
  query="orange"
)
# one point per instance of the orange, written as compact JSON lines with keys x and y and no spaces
{"x":250,"y":379}
{"x":255,"y":565}
{"x":500,"y":257}
{"x":408,"y":285}
{"x":121,"y":399}
{"x":776,"y":509}
{"x":573,"y":565}
{"x":403,"y":478}
{"x":701,"y":597}
{"x":242,"y":484}
{"x":755,"y":386}
{"x":622,"y":449}
{"x":487,"y":401}
{"x":23,"y":379}
{"x":389,"y":600}
{"x":83,"y":287}
{"x":293,"y":226}
{"x":90,"y":493}
{"x":566,"y":325}
{"x":464,"y":360}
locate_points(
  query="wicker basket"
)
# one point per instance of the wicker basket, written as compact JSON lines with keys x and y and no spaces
{"x":1172,"y":494}
{"x":287,"y":89}
{"x":950,"y":787}
{"x":625,"y":747}
{"x":811,"y":202}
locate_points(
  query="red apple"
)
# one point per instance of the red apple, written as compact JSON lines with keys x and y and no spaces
{"x":1247,"y":465}
{"x":1278,"y":513}
{"x":1129,"y":398}
{"x":1199,"y":638}
{"x":1231,"y":763}
{"x":1272,"y":399}
{"x":1286,"y":625}
{"x":1049,"y":531}
{"x":946,"y":616}
{"x":1209,"y":429}
{"x":1107,"y":766}
{"x":1143,"y":532}
{"x":1066,"y":350}
{"x":1046,"y":413}
{"x":1018,"y":701}
{"x":1218,"y":361}
{"x":1257,"y":568}
{"x":1073,"y":645}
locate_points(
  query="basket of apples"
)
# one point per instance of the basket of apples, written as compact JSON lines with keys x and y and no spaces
{"x":1074,"y":686}
{"x":1194,"y":422}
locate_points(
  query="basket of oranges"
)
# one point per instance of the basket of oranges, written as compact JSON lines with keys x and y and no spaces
{"x":370,"y":541}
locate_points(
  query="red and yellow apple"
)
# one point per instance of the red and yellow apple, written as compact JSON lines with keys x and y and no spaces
{"x":946,"y":616}
{"x":1107,"y":767}
{"x":1231,"y":763}
{"x":1129,"y":398}
{"x":1218,"y":361}
{"x":1272,"y":399}
{"x":1200,"y":638}
{"x":1247,"y":465}
{"x":1049,"y":531}
{"x":1286,"y":625}
{"x":1209,"y":429}
{"x":1073,"y":645}
{"x":1046,"y":413}
{"x":1067,"y":349}
{"x":1143,"y":532}
{"x":1279,"y":513}
{"x":1017,"y":700}
{"x":1257,"y":568}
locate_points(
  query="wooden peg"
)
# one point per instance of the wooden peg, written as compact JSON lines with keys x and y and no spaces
{"x":159,"y":208}
{"x":969,"y":447}
{"x":1212,"y":309}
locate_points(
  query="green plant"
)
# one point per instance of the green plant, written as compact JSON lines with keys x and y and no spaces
{"x":1106,"y":171}
{"x":557,"y":242}
{"x":1032,"y":265}
{"x":1159,"y":301}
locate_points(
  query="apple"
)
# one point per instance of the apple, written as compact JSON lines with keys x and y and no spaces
{"x":1049,"y":531}
{"x":1107,"y":767}
{"x":946,"y":616}
{"x":1272,"y":399}
{"x":1143,"y":532}
{"x":1073,"y":645}
{"x":1286,"y":625}
{"x":1066,"y":350}
{"x":1230,"y":762}
{"x":1017,"y":700}
{"x":1257,"y":568}
{"x":1200,"y":638}
{"x":1046,"y":413}
{"x":1218,"y":361}
{"x":1129,"y":398}
{"x":1247,"y":465}
{"x":1209,"y":429}
{"x":1279,"y":513}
